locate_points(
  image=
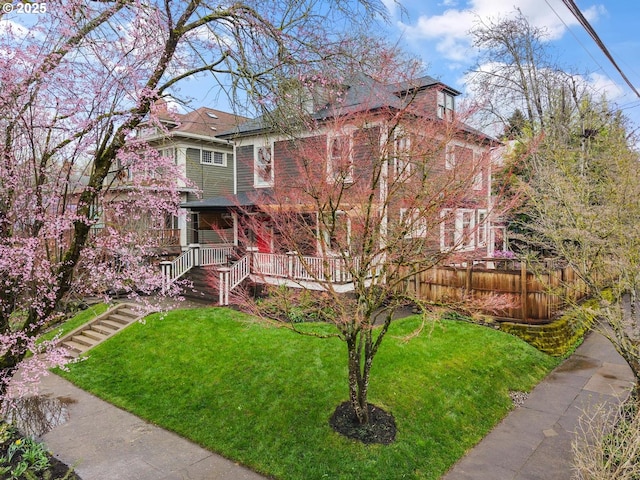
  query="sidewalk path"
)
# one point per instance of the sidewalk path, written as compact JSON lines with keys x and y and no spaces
{"x":106,"y":443}
{"x":534,"y":441}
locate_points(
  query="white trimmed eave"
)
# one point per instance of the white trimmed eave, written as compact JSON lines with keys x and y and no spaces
{"x":188,"y":136}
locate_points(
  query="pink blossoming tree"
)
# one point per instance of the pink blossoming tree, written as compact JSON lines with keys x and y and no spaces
{"x":77,"y":82}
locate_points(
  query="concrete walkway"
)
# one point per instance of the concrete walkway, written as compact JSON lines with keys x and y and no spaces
{"x":106,"y":443}
{"x":532,"y":442}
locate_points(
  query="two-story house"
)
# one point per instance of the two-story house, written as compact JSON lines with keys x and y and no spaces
{"x":395,"y":142}
{"x":266,"y":158}
{"x":206,"y":166}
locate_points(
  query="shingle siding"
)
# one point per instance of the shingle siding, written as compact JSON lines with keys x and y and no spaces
{"x":212,"y":180}
{"x":244,"y":159}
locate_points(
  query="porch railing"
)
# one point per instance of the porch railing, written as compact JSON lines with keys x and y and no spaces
{"x":194,"y":256}
{"x":172,"y":271}
{"x":218,"y":255}
{"x":305,"y":268}
{"x":231,"y":277}
{"x":287,"y":266}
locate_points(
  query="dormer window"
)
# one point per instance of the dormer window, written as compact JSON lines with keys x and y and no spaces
{"x":445,"y":105}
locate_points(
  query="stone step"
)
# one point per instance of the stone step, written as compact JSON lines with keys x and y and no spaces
{"x":99,"y":329}
{"x":104,"y":328}
{"x":111,"y":324}
{"x":128,"y":313}
{"x":82,"y":339}
{"x":96,"y":335}
{"x":122,"y":319}
{"x":73,"y":347}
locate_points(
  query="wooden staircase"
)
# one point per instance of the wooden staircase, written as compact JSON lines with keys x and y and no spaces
{"x":201,"y":288}
{"x":100,"y":328}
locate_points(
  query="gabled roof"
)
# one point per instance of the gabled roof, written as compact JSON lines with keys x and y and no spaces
{"x":420,"y":84}
{"x":207,"y":121}
{"x":360,"y":93}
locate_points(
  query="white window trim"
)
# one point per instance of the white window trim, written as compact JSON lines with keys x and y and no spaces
{"x":414,"y":222}
{"x":169,"y":152}
{"x":450,"y":156}
{"x":401,"y":148}
{"x":478,"y":176}
{"x":331,"y":174}
{"x":446,"y":105}
{"x":258,"y":180}
{"x":458,"y":241}
{"x":482,"y":224}
{"x":478,"y":180}
{"x":213,"y":153}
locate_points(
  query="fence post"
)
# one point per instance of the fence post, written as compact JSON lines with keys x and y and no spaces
{"x":251,"y":251}
{"x":194,"y":248}
{"x":223,"y":290}
{"x":291,"y":257}
{"x":468,"y":275}
{"x":523,"y":290}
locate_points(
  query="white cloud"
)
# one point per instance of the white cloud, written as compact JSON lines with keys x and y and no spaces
{"x":450,"y":29}
{"x":603,"y":85}
{"x":15,"y":29}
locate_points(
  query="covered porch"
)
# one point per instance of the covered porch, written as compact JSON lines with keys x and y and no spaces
{"x":234,"y":265}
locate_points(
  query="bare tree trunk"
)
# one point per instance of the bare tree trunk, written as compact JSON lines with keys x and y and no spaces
{"x":357,"y":383}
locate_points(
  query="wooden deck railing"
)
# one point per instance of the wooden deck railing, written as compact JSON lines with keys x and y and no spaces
{"x":195,"y":256}
{"x":230,"y":277}
{"x":302,"y":268}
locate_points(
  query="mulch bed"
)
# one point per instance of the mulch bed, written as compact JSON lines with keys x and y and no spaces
{"x":380,"y":429}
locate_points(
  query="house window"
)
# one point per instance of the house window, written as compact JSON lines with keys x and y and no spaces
{"x":483,"y":226}
{"x":169,"y":153}
{"x":478,"y":177}
{"x":210,"y":157}
{"x":457,"y":229}
{"x":450,"y":157}
{"x":445,"y":105}
{"x":340,"y":164}
{"x":263,"y":171}
{"x":413,"y":223}
{"x":401,"y":147}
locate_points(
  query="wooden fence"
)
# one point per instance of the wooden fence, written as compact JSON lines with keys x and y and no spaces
{"x":536,"y":297}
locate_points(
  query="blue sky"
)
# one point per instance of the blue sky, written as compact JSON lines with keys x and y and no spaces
{"x":437,"y":31}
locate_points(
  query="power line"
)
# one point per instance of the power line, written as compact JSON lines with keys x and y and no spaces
{"x":573,"y":8}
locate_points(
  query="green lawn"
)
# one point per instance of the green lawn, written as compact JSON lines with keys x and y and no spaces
{"x":76,"y":321}
{"x":262,"y":396}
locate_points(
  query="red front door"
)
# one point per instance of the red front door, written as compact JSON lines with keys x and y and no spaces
{"x":264,"y":236}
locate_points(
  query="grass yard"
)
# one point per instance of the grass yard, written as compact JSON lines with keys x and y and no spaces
{"x":262,"y":396}
{"x":80,"y":319}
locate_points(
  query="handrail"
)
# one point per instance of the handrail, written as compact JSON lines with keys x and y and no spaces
{"x":231,"y":277}
{"x":215,"y":255}
{"x":172,"y":271}
{"x":328,"y":269}
{"x":239,"y":271}
{"x":193,"y":257}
